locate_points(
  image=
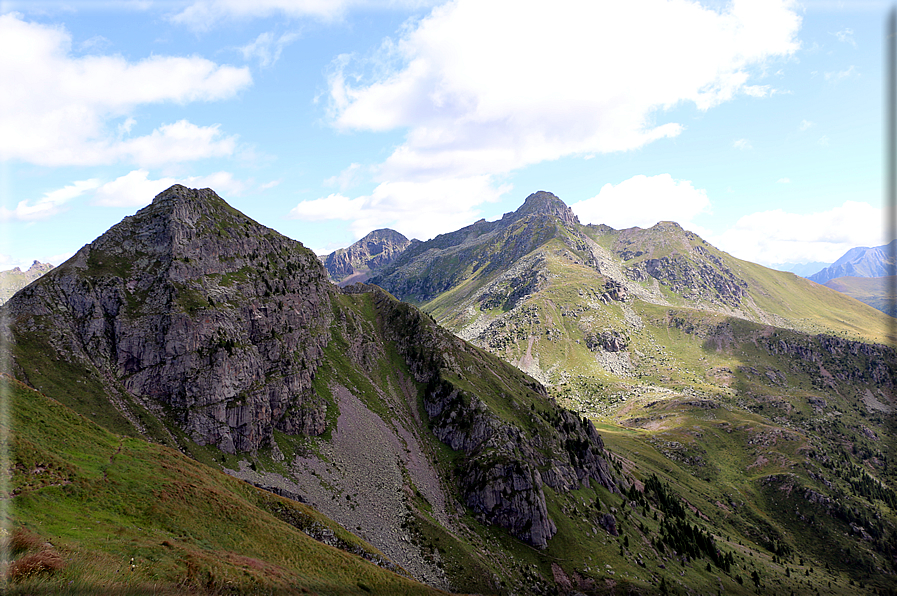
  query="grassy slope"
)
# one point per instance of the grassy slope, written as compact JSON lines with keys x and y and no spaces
{"x":869,"y":290}
{"x":103,"y":499}
{"x":743,"y":461}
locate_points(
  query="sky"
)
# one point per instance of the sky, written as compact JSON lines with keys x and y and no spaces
{"x":757,"y":124}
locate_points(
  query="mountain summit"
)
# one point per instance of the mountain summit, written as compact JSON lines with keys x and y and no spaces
{"x":544,"y":203}
{"x":374,"y":251}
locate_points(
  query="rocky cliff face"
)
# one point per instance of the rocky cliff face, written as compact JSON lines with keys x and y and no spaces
{"x":508,"y":461}
{"x":368,"y":255}
{"x":191,"y":307}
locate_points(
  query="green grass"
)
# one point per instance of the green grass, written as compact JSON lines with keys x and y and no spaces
{"x":103,"y":499}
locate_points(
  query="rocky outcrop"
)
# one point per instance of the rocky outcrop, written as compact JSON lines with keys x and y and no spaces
{"x":841,"y":359}
{"x":507,"y":461}
{"x":370,"y":254}
{"x":195,"y":311}
{"x":706,"y":280}
{"x":609,"y":341}
{"x":15,"y":279}
{"x":544,"y":204}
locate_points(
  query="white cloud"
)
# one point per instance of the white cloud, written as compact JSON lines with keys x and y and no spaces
{"x":823,"y":140}
{"x":347,"y":178}
{"x":758,"y":90}
{"x":266,"y":48}
{"x":50,"y":204}
{"x":488,"y":86}
{"x":837,"y":77}
{"x":805,"y":124}
{"x":643,"y":201}
{"x":203,"y":14}
{"x":784,"y":180}
{"x":780,"y":237}
{"x":742,"y":144}
{"x":846,"y":36}
{"x":177,"y":142}
{"x":135,"y":189}
{"x":417,"y":209}
{"x":60,"y":108}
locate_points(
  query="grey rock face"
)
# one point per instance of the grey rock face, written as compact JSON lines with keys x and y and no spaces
{"x":506,"y":465}
{"x":368,"y":255}
{"x":196,"y":308}
{"x":545,"y":203}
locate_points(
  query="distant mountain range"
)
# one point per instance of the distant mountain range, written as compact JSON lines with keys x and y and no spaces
{"x":802,"y":269}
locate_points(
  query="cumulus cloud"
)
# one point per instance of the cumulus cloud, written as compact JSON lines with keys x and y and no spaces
{"x":805,"y":124}
{"x":742,"y":144}
{"x":784,"y":180}
{"x":417,"y":209}
{"x":778,"y":236}
{"x":60,"y":108}
{"x":579,"y":78}
{"x":136,"y":189}
{"x":266,"y":48}
{"x":485,"y":87}
{"x":643,"y":201}
{"x":50,"y":204}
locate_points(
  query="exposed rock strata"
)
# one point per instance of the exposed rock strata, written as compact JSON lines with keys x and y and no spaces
{"x":191,"y":305}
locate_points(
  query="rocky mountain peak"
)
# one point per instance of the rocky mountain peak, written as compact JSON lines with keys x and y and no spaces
{"x":546,"y":203}
{"x":355,"y":263}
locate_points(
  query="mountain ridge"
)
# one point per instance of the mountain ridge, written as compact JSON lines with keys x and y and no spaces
{"x":194,"y":326}
{"x":861,"y":261}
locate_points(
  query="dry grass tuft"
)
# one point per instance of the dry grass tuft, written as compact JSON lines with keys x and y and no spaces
{"x":46,"y":561}
{"x":24,"y":540}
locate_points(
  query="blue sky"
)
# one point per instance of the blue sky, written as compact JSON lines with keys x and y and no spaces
{"x":756,"y":124}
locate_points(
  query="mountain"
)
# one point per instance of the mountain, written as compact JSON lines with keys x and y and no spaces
{"x":192,"y":326}
{"x":13,"y":280}
{"x":802,"y":269}
{"x":741,"y":414}
{"x":861,"y":262}
{"x":761,"y":398}
{"x":877,"y":292}
{"x":374,"y":251}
